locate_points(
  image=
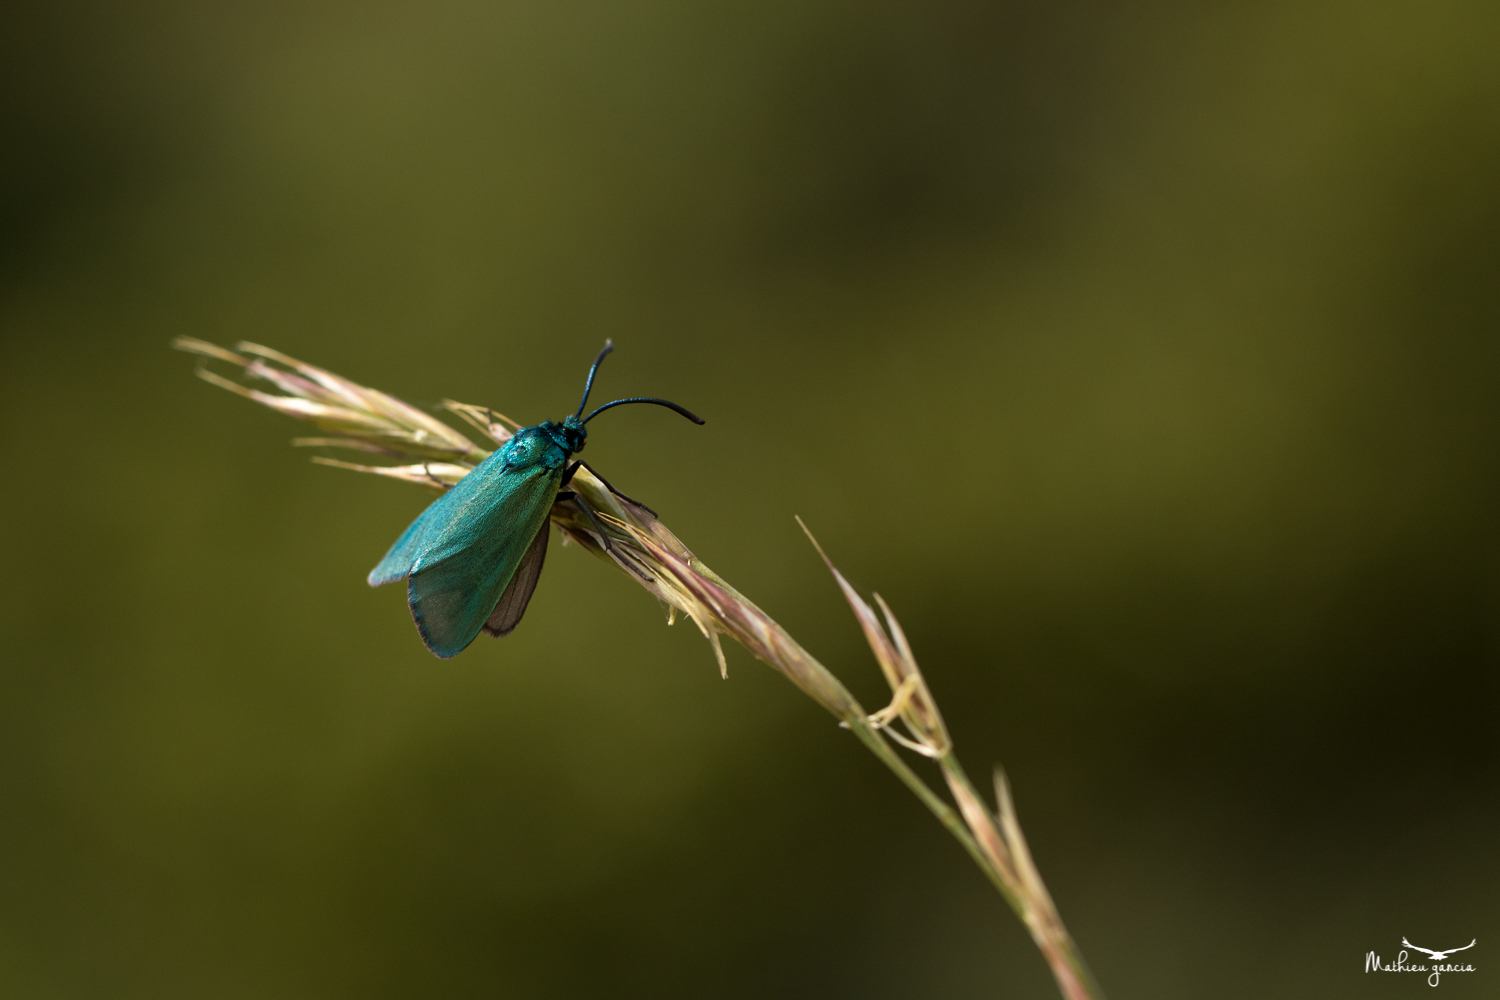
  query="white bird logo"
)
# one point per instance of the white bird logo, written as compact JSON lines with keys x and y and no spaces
{"x":1437,"y":956}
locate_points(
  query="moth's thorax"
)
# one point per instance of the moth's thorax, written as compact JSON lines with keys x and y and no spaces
{"x":548,"y":444}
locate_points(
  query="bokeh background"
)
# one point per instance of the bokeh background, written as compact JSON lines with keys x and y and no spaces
{"x":1142,"y":355}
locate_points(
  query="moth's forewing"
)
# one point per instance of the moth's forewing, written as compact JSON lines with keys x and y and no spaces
{"x":443,"y":528}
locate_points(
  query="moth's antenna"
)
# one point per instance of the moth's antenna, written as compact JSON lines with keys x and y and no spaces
{"x":645,"y":399}
{"x":609,"y":345}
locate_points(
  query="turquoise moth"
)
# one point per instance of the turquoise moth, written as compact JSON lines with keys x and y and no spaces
{"x":472,"y":559}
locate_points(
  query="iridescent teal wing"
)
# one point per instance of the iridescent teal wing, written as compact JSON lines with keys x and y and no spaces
{"x":456,"y":599}
{"x":460,"y":556}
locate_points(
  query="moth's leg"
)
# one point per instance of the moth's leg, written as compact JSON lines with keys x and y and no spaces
{"x":606,"y":484}
{"x":589,"y":512}
{"x":441,"y":482}
{"x":568,"y":476}
{"x":629,"y":562}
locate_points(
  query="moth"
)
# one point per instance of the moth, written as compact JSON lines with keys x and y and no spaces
{"x":472,"y":559}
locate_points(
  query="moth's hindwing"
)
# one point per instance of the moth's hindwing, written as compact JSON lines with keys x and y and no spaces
{"x":507,"y":614}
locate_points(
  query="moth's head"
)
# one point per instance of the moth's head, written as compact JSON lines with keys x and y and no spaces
{"x":570,"y":435}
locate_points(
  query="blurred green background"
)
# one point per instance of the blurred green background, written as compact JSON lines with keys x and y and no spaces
{"x":1143,"y":356}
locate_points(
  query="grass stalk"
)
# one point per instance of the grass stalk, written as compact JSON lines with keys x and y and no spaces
{"x":370,"y":422}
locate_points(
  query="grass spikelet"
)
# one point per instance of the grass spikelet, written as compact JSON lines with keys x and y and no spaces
{"x":438,"y":455}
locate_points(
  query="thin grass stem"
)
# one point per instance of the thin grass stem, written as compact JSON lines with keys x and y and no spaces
{"x":375,"y":423}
